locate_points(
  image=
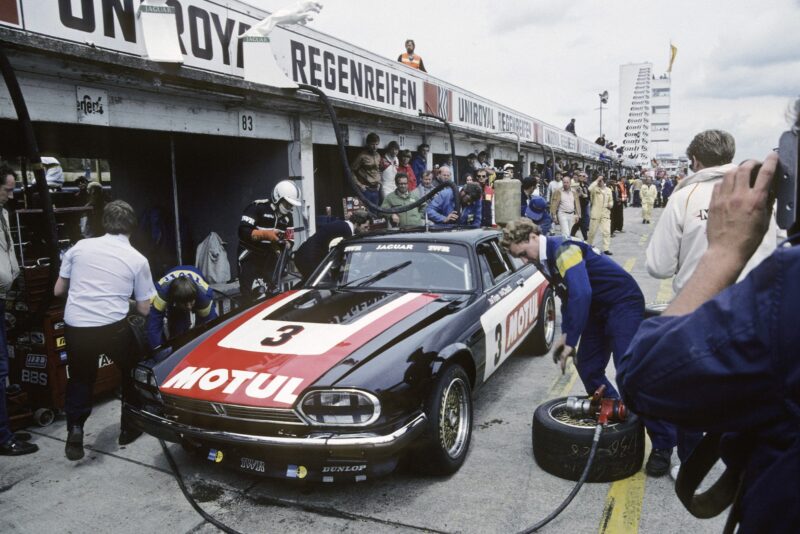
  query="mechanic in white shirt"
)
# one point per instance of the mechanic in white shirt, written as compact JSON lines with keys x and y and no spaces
{"x":99,"y":276}
{"x":679,"y":238}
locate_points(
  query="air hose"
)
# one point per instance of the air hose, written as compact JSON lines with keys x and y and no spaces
{"x":595,"y":442}
{"x":349,"y":173}
{"x":179,"y":478}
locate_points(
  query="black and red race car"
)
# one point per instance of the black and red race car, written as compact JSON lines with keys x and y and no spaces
{"x":375,"y":356}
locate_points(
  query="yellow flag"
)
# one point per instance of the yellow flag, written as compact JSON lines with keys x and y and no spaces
{"x":673,"y":51}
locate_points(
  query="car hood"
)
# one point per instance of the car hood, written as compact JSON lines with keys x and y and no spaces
{"x":268,"y":355}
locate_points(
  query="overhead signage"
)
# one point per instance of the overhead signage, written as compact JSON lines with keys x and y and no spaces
{"x":208,"y":36}
{"x":92,"y":106}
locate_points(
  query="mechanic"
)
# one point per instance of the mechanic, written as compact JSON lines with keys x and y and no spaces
{"x":262,"y":231}
{"x":538,"y":211}
{"x":601,"y":305}
{"x":98,"y":275}
{"x":441,"y":209}
{"x":11,"y":444}
{"x":722,"y":357}
{"x":180,"y":292}
{"x":316,"y":247}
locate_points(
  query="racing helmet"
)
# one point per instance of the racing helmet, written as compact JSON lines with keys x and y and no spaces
{"x":286,"y":190}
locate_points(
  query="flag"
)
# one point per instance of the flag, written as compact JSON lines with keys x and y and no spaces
{"x":673,"y":51}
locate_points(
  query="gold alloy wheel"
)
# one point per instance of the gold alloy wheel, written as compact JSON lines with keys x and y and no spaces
{"x":454,"y":418}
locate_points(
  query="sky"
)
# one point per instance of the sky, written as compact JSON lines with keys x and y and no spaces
{"x":737,"y":67}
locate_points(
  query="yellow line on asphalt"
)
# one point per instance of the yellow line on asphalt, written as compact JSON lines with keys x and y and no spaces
{"x":623,"y":510}
{"x":629,"y":263}
{"x":563,"y":384}
{"x":665,"y":292}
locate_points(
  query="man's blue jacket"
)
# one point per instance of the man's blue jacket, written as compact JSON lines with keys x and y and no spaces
{"x":443,"y":203}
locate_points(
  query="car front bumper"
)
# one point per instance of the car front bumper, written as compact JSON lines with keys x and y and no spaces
{"x":324,"y":456}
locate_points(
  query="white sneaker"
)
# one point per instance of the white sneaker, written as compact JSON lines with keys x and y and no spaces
{"x":673,"y":471}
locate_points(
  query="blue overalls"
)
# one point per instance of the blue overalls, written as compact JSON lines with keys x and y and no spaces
{"x":603,"y":307}
{"x":443,"y":203}
{"x":179,"y":320}
{"x":732,"y":366}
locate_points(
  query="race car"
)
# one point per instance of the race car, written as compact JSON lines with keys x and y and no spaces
{"x":376,"y":356}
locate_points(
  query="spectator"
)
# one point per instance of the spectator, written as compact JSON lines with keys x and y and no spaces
{"x":617,"y":212}
{"x":472,"y":164}
{"x":667,"y":188}
{"x":400,"y":197}
{"x":98,"y":276}
{"x":468,"y":178}
{"x":582,"y":190}
{"x":554,"y":185}
{"x":315,"y":248}
{"x":602,"y":306}
{"x":528,"y":187}
{"x":571,"y":127}
{"x":487,"y":216}
{"x":92,"y":222}
{"x":426,"y":184}
{"x":419,"y":162}
{"x":548,"y":173}
{"x":81,"y":196}
{"x":410,"y":59}
{"x":405,"y":166}
{"x":441,"y":209}
{"x":565,"y":206}
{"x":366,"y":169}
{"x":389,"y":163}
{"x":600,"y":214}
{"x":445,"y":174}
{"x":10,"y":444}
{"x":180,"y":292}
{"x":679,"y":237}
{"x":648,"y":194}
{"x":636,"y":189}
{"x":483,"y":159}
{"x":601,"y":140}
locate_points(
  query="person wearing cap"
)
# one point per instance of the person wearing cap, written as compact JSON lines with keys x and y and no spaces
{"x":442,"y":208}
{"x":262,"y":229}
{"x":537,"y":210}
{"x":409,"y":58}
{"x":180,"y":292}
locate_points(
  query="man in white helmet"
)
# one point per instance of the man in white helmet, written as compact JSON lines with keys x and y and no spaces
{"x":263,"y":225}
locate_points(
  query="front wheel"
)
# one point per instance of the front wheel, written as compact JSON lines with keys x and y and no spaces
{"x":449,"y":411}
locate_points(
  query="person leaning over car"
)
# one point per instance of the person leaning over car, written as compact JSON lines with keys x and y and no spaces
{"x":722,"y":358}
{"x":98,"y":276}
{"x":602,"y":306}
{"x":315,"y":248}
{"x":441,"y":209}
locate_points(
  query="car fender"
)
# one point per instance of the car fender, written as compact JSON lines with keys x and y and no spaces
{"x":455,"y":352}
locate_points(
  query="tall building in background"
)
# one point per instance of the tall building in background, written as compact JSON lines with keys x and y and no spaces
{"x":644,"y":110}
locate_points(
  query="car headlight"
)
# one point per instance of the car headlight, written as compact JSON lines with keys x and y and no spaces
{"x":340,"y":407}
{"x":144,"y":375}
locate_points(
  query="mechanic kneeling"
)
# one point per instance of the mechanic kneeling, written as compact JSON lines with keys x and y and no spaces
{"x":601,"y":305}
{"x":179,"y":292}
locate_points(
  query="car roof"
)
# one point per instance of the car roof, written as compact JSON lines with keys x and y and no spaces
{"x":457,"y":235}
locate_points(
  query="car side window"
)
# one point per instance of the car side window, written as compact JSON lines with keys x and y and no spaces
{"x":494,"y":267}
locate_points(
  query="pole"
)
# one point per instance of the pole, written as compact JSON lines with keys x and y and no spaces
{"x":175,"y":199}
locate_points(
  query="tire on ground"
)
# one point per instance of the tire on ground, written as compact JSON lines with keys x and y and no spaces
{"x":445,"y":443}
{"x":539,"y":341}
{"x":562,"y":448}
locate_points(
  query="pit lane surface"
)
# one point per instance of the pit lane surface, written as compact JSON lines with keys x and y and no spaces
{"x":499,"y":489}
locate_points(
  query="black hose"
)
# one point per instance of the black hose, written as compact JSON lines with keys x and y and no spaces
{"x":32,"y":147}
{"x":177,"y":474}
{"x":595,"y":442}
{"x":452,"y":141}
{"x":349,"y":173}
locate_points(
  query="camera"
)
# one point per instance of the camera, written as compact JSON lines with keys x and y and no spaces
{"x":785,"y":183}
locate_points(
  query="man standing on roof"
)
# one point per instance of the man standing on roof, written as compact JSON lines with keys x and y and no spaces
{"x":261,"y":230}
{"x":410,"y":59}
{"x":179,"y":292}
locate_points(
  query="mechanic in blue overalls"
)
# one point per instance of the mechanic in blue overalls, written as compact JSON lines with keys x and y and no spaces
{"x":181,"y":291}
{"x":724,"y":360}
{"x":442,"y":208}
{"x":601,"y":305}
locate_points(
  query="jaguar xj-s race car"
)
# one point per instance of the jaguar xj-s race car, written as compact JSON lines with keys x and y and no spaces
{"x":376,"y":356}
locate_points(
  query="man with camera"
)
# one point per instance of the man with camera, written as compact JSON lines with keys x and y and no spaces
{"x":722,"y":357}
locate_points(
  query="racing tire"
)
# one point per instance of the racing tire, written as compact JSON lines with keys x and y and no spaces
{"x":449,"y":410}
{"x":561,"y":444}
{"x":540,"y":339}
{"x":44,"y":416}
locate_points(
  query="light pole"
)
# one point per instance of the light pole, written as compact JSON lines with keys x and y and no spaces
{"x":603,"y":100}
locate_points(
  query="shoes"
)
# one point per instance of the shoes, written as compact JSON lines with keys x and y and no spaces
{"x":644,"y":222}
{"x":128,"y":435}
{"x":608,"y":253}
{"x":658,"y":464}
{"x":674,"y":470}
{"x":74,"y":446}
{"x":17,"y":447}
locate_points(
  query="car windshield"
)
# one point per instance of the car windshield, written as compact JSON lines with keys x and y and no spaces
{"x":408,"y":266}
